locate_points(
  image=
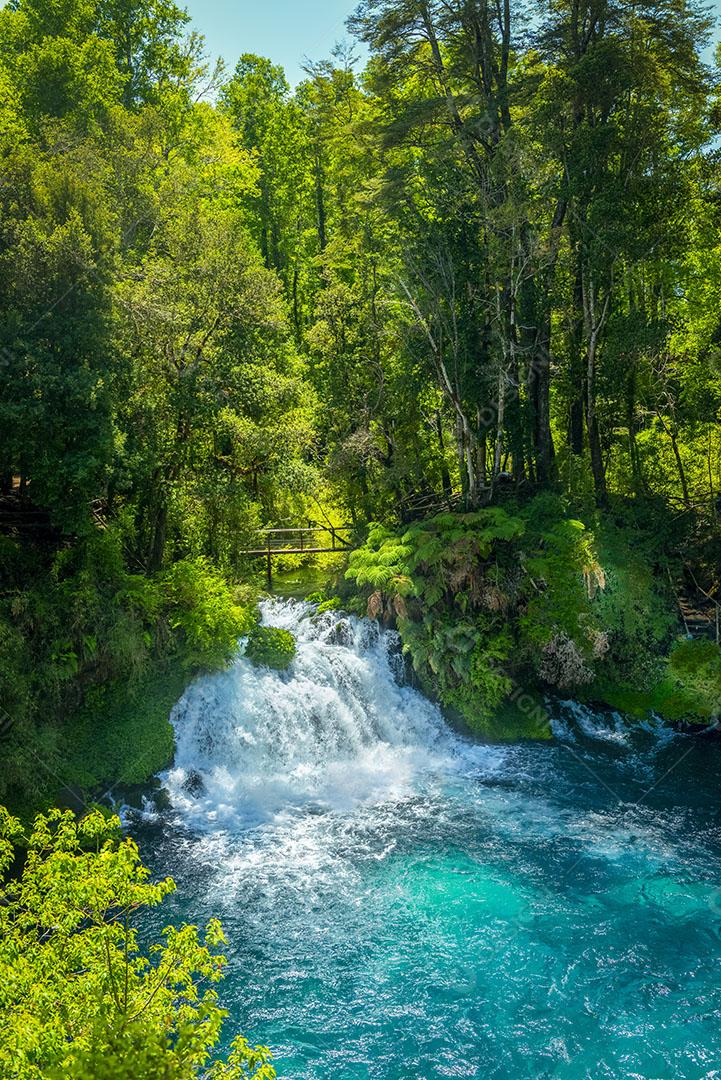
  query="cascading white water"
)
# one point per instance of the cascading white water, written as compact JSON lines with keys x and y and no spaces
{"x":337,"y":729}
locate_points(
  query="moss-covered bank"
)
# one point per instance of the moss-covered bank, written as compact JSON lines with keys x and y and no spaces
{"x":500,"y":607}
{"x":92,"y":659}
{"x":133,"y":739}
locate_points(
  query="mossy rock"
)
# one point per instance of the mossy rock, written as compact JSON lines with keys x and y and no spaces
{"x":696,"y":665}
{"x":688,"y":687}
{"x":665,"y":698}
{"x":334,"y":604}
{"x":271,"y":647}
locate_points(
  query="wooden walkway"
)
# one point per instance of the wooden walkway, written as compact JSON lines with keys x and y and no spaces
{"x":700,"y":610}
{"x":313,"y":540}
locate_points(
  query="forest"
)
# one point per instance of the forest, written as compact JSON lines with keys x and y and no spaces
{"x":462,"y":298}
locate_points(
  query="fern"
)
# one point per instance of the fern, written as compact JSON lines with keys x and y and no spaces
{"x":477,"y":594}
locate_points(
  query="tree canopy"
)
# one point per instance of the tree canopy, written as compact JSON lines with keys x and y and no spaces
{"x":80,"y":998}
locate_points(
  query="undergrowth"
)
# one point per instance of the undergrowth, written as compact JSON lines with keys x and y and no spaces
{"x":529,"y":596}
{"x":93,"y":657}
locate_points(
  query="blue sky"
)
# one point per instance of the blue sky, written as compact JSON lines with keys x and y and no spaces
{"x":284,"y":30}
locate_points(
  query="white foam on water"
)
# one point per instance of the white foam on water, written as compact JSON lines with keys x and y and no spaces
{"x":606,"y":727}
{"x":337,"y":730}
{"x":324,"y":767}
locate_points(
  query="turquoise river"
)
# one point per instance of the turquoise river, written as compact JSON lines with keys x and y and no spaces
{"x":403,"y":903}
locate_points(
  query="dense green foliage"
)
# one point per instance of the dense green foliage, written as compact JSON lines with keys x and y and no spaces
{"x":79,"y":998}
{"x":696,"y":665}
{"x":525,"y":596}
{"x":482,"y":269}
{"x":88,"y":639}
{"x":268,"y":646}
{"x":152,"y":404}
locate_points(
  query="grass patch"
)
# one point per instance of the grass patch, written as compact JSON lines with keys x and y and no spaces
{"x":667,"y":698}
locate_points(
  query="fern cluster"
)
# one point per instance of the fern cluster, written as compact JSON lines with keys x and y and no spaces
{"x":442,"y":582}
{"x":490,"y":601}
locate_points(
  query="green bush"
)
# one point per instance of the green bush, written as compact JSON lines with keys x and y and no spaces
{"x":696,"y":666}
{"x":334,"y":604}
{"x":79,"y":998}
{"x":205,"y":612}
{"x":271,"y":647}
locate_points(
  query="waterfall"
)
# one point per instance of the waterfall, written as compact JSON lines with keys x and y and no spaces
{"x":337,"y":729}
{"x":399,"y":901}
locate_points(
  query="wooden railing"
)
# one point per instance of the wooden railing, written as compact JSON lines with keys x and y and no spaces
{"x":313,"y":540}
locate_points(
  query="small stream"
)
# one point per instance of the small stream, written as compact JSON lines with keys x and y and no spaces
{"x":402,"y":903}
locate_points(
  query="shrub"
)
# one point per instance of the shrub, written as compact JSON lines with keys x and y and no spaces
{"x":271,"y":647}
{"x":334,"y":604}
{"x":78,"y":997}
{"x":696,"y":665}
{"x":204,"y":609}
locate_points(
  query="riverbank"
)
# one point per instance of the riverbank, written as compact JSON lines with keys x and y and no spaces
{"x":499,"y":608}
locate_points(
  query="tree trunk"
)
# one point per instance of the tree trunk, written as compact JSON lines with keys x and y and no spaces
{"x":540,"y":401}
{"x":460,"y":453}
{"x":594,"y":439}
{"x":681,"y":471}
{"x":160,"y":532}
{"x":577,"y":407}
{"x":320,"y":203}
{"x":639,"y":484}
{"x":536,"y":318}
{"x":482,"y":458}
{"x":445,"y":475}
{"x":466,"y":462}
{"x":679,"y":462}
{"x":595,"y":316}
{"x":500,"y":423}
{"x":296,"y":306}
{"x":514,"y":411}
